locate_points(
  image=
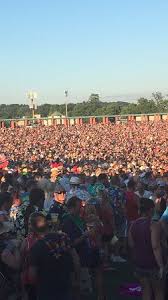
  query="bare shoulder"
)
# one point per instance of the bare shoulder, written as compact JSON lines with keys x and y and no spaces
{"x":155,"y":226}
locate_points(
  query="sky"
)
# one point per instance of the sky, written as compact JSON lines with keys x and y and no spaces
{"x":117,"y":48}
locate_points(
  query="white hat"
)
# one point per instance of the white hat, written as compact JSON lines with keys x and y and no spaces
{"x":75,"y":181}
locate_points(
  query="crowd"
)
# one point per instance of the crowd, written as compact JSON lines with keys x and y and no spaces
{"x":74,"y":200}
{"x":122,"y":146}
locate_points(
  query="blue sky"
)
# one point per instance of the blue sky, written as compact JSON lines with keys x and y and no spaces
{"x":115,"y":48}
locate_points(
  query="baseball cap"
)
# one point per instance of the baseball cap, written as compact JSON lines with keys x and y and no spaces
{"x":75,"y":181}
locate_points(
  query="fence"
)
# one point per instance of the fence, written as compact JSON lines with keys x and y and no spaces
{"x":92,"y":120}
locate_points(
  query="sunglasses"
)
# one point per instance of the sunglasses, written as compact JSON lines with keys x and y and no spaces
{"x":59,"y":193}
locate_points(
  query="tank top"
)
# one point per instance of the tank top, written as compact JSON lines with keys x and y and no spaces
{"x":131,"y":206}
{"x":143,"y":252}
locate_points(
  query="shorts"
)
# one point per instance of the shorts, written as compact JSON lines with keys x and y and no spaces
{"x":121,"y":230}
{"x":91,"y":260}
{"x":95,"y":259}
{"x":107,"y":238}
{"x":121,"y":226}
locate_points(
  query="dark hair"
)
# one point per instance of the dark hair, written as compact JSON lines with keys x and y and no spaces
{"x":115,"y":180}
{"x":146,"y":205}
{"x":30,"y":184}
{"x":33,"y":220}
{"x":36,"y":196}
{"x":2,"y":202}
{"x":4,"y":186}
{"x":5,"y":198}
{"x":93,"y":179}
{"x":102,"y":177}
{"x":72,"y":202}
{"x":131,"y":184}
{"x":123,"y":185}
{"x":38,"y":176}
{"x":159,"y":194}
{"x":9,"y":178}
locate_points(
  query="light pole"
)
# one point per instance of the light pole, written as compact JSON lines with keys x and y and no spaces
{"x":32,"y":96}
{"x":66,"y":104}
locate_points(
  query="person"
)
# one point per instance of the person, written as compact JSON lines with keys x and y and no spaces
{"x":164,"y":225}
{"x":132,"y":202}
{"x":38,"y":228}
{"x":131,"y":153}
{"x":5,"y":187}
{"x":58,"y":199}
{"x":36,"y":203}
{"x":91,"y":185}
{"x":103,"y":179}
{"x":77,"y":190}
{"x":74,"y":185}
{"x":145,"y":242}
{"x":131,"y":148}
{"x":15,"y":208}
{"x":47,"y":186}
{"x":93,"y":221}
{"x":24,"y":209}
{"x":58,"y":207}
{"x":9,"y":262}
{"x":5,"y":205}
{"x":164,"y":221}
{"x":98,"y":185}
{"x":52,"y":263}
{"x":160,"y":205}
{"x":117,"y":201}
{"x":75,"y":227}
{"x":140,"y":189}
{"x":105,"y":213}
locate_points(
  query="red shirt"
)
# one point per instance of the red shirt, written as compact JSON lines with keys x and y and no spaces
{"x":106,"y":216}
{"x":131,"y":206}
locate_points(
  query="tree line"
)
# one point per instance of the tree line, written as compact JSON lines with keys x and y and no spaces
{"x":93,"y":106}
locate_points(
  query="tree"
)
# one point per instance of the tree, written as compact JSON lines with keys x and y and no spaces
{"x":131,"y":108}
{"x":160,"y":101}
{"x":158,"y":97}
{"x":145,"y":106}
{"x":44,"y":110}
{"x":94,"y":98}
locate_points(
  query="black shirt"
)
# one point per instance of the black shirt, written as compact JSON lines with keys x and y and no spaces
{"x":74,"y":232}
{"x":57,"y":208}
{"x":51,"y":256}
